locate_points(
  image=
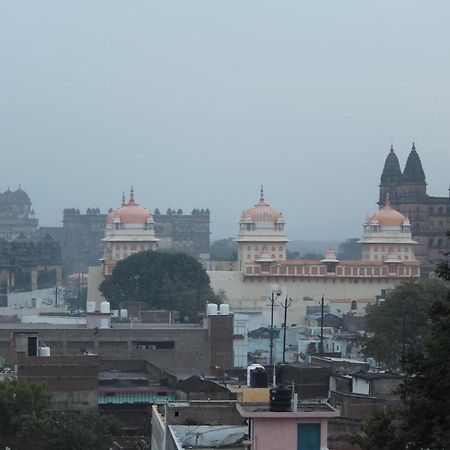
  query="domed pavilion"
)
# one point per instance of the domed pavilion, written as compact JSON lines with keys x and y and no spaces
{"x":387,"y":236}
{"x":129,"y":230}
{"x":261,"y":235}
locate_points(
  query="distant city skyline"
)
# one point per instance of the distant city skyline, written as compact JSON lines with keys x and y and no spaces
{"x":198,"y":104}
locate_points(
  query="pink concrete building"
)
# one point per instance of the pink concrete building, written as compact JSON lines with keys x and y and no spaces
{"x":304,"y":429}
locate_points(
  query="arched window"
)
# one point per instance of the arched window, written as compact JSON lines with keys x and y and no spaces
{"x":431,"y":243}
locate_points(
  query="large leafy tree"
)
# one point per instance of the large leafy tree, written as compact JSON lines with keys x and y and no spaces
{"x":173,"y":281}
{"x":401,"y":322}
{"x":423,"y":419}
{"x":223,"y":250}
{"x":27,"y":422}
{"x":443,"y":268}
{"x":425,"y":391}
{"x":23,"y":417}
{"x":349,"y":249}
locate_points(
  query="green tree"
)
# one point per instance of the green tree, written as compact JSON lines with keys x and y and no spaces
{"x":443,"y":268}
{"x":26,"y":422}
{"x":23,"y":413}
{"x":173,"y":281}
{"x":350,"y":249}
{"x":381,"y":432}
{"x":311,"y":255}
{"x":423,"y":420}
{"x":75,"y":431}
{"x":401,"y":321}
{"x":425,"y":390}
{"x":223,"y":250}
{"x":292,"y":254}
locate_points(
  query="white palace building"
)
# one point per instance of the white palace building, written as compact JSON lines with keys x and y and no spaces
{"x":388,"y":258}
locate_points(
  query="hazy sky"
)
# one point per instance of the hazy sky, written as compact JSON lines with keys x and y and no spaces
{"x":196,"y":103}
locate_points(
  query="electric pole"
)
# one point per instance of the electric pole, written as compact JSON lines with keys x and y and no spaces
{"x":272,"y":298}
{"x":322,"y":306}
{"x":285,"y":306}
{"x":272,"y":301}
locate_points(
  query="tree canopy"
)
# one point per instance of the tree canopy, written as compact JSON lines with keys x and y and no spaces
{"x":401,"y":321}
{"x":174,"y":281}
{"x":350,"y":249}
{"x":423,"y":419}
{"x":443,"y":268}
{"x":26,"y":422}
{"x":223,"y":250}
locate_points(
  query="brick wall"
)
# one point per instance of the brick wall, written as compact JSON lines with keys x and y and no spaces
{"x":71,"y":381}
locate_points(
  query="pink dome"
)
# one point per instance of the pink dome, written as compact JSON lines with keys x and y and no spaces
{"x":388,"y":216}
{"x":130,"y":213}
{"x":262,"y":212}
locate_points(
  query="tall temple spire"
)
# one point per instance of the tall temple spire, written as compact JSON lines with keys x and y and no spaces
{"x":391,"y":171}
{"x":131,"y":202}
{"x":413,"y":172}
{"x":123,"y":198}
{"x":261,"y":195}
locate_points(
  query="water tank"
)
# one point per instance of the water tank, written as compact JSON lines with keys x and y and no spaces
{"x":280,"y":399}
{"x":105,"y":307}
{"x":44,"y":351}
{"x":250,"y":368}
{"x":115,"y":313}
{"x":123,"y":313}
{"x":224,"y":309}
{"x":258,"y":378}
{"x":211,"y":309}
{"x":90,"y":307}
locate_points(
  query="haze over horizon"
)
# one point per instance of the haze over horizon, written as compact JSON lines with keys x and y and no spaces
{"x":196,"y":104}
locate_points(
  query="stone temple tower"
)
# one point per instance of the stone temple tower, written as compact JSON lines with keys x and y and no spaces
{"x":429,"y":216}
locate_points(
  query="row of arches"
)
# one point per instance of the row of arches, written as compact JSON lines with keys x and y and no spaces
{"x":439,"y":243}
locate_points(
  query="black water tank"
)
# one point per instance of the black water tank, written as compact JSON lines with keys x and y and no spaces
{"x":258,"y":378}
{"x":280,"y":399}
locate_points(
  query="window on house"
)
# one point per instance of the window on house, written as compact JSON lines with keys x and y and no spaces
{"x":153,"y":345}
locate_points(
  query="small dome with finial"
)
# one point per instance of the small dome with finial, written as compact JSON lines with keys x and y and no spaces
{"x":387,"y":216}
{"x":262,"y":212}
{"x":130,"y":213}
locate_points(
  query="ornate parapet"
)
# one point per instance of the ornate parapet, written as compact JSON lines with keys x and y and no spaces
{"x":363,"y":269}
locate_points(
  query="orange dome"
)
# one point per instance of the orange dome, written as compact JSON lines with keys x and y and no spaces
{"x":262,"y":212}
{"x":388,"y":216}
{"x":130,"y":213}
{"x":133,"y":213}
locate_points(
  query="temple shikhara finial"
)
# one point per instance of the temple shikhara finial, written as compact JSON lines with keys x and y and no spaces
{"x":388,"y":200}
{"x":261,"y":195}
{"x":131,"y":202}
{"x":123,"y":198}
